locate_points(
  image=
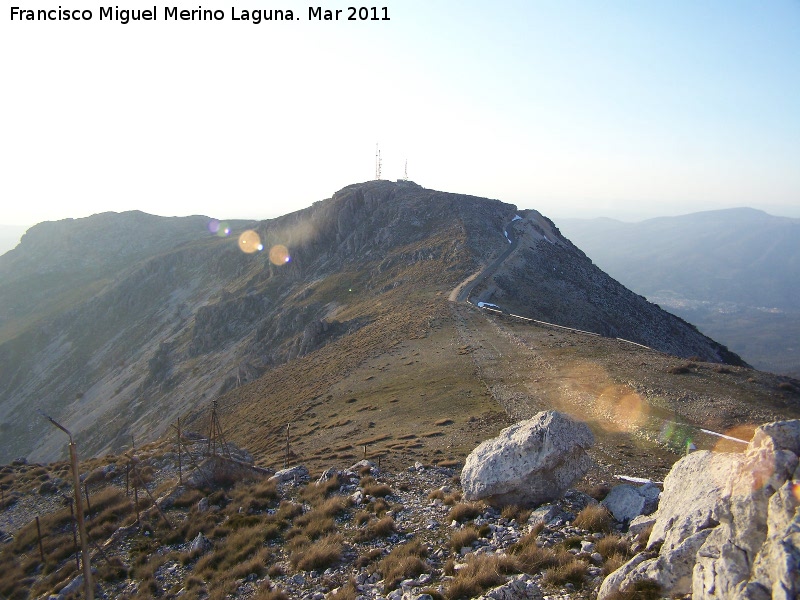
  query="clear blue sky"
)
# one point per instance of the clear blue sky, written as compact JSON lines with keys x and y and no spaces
{"x":623,"y":109}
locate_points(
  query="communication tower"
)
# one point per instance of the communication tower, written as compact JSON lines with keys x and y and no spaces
{"x":377,"y":162}
{"x":405,"y":173}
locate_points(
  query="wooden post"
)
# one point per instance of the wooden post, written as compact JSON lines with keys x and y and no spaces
{"x":76,"y":489}
{"x":136,"y":493}
{"x":74,"y":537}
{"x":180,"y":473}
{"x":286,"y":460}
{"x":39,"y":536}
{"x":87,"y":568}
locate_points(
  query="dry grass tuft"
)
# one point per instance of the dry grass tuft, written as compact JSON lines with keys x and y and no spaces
{"x":573,"y":572}
{"x":464,"y":512}
{"x":480,"y":574}
{"x":378,"y":490}
{"x":594,"y":518}
{"x":612,"y":544}
{"x":402,"y":562}
{"x":463,"y":538}
{"x":381,"y":528}
{"x":643,"y":589}
{"x":317,"y":556}
{"x":613,"y":562}
{"x":516,"y":513}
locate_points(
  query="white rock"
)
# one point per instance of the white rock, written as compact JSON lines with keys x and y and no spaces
{"x":624,"y":502}
{"x":529,"y":463}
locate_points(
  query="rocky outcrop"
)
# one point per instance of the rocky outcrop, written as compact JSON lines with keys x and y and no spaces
{"x":728,"y":525}
{"x":529,"y":463}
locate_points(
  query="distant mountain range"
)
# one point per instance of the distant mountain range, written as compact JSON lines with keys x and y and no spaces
{"x":734,"y":273}
{"x":117,"y":324}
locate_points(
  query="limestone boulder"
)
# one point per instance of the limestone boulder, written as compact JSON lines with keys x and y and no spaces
{"x":727,"y":525}
{"x":529,"y":463}
{"x":626,"y":502}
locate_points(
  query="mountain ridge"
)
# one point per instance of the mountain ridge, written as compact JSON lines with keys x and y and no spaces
{"x":167,"y":333}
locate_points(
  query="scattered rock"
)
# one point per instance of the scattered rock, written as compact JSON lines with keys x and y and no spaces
{"x":530,"y":462}
{"x":626,"y":502}
{"x":292,"y":475}
{"x":200,"y":545}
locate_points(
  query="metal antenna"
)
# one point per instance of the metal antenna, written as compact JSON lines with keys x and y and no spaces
{"x":377,"y":162}
{"x":405,"y":174}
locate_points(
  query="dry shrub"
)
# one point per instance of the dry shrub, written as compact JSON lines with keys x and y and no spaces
{"x":679,"y":370}
{"x":463,"y":538}
{"x":112,"y":570}
{"x":599,"y":491}
{"x":189,"y":497}
{"x":378,"y":490}
{"x":436,"y":494}
{"x":594,"y":517}
{"x":346,"y":592}
{"x":368,"y":557}
{"x":288,"y":510}
{"x":318,"y":556}
{"x":361,"y":517}
{"x":402,"y":562}
{"x":451,"y":499}
{"x":256,"y":565}
{"x":464,"y":512}
{"x":573,"y":572}
{"x":271,"y":594}
{"x":480,"y":574}
{"x":514,"y":512}
{"x":533,"y":558}
{"x":379,"y":507}
{"x":613,"y":562}
{"x":381,"y":528}
{"x":643,"y":589}
{"x":612,"y":544}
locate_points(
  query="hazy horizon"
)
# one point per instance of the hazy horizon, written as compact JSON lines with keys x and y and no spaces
{"x":573,"y":108}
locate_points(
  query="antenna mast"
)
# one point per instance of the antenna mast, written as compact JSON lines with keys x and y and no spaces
{"x":377,"y":162}
{"x":405,"y":174}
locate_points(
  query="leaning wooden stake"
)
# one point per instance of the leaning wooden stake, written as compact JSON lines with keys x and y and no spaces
{"x":39,"y":536}
{"x":286,"y":460}
{"x":76,"y":488}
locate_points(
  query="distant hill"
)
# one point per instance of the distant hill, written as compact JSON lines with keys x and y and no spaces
{"x":734,"y":273}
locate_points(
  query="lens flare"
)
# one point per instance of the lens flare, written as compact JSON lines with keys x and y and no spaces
{"x":741,"y":432}
{"x":249,"y":241}
{"x":623,"y":408}
{"x":796,"y":491}
{"x":279,"y":255}
{"x":220,"y":228}
{"x":260,"y":247}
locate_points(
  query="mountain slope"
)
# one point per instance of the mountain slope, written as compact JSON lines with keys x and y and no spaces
{"x":162,"y":330}
{"x":735,"y":273}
